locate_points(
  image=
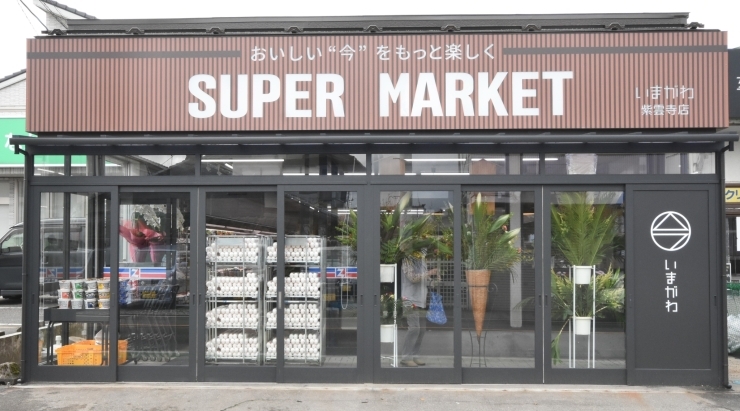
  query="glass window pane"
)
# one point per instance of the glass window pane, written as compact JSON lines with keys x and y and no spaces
{"x":499,"y":279}
{"x":284,"y":164}
{"x":321,"y":303}
{"x":416,"y":255}
{"x":149,"y":165}
{"x":154,"y":277}
{"x":442,"y":164}
{"x":240,"y":227}
{"x":587,"y":278}
{"x":48,"y":166}
{"x":71,"y":269}
{"x":530,"y":164}
{"x":669,"y":163}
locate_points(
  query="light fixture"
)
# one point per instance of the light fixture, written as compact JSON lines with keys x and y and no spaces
{"x":243,"y":160}
{"x":436,"y":160}
{"x":499,"y":159}
{"x":445,"y":174}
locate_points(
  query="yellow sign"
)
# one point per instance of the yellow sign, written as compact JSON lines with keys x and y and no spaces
{"x":732,"y":194}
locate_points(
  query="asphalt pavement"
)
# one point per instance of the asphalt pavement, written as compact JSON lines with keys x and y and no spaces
{"x":365,"y":397}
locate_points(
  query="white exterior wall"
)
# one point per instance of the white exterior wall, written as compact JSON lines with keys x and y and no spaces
{"x":13,"y":100}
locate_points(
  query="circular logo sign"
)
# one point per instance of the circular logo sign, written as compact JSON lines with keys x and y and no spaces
{"x":671,"y":231}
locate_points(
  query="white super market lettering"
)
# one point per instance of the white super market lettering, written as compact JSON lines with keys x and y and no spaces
{"x":266,"y":89}
{"x":426,"y":94}
{"x":262,"y":95}
{"x":671,"y":290}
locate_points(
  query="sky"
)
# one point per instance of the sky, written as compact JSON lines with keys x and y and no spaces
{"x":17,"y":23}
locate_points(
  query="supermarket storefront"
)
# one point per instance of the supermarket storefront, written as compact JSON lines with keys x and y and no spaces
{"x":431,"y":208}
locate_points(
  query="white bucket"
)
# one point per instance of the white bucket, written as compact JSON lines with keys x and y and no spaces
{"x":582,"y":274}
{"x":386,"y":333}
{"x":582,"y":325}
{"x":76,"y":304}
{"x":65,"y":284}
{"x":91,"y":304}
{"x":91,"y":284}
{"x":104,"y":304}
{"x":64,"y":303}
{"x":387,"y":273}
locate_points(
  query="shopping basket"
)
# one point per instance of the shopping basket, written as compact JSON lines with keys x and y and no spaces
{"x":87,"y":353}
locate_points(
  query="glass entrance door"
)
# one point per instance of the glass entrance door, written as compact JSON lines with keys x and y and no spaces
{"x":156,"y":292}
{"x":585,"y":283}
{"x":416,"y":285}
{"x":501,"y":313}
{"x":315,"y":296}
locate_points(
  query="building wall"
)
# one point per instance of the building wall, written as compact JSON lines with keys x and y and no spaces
{"x":13,"y":100}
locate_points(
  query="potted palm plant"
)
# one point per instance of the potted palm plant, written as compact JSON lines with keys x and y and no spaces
{"x":584,"y":233}
{"x":487,"y":246}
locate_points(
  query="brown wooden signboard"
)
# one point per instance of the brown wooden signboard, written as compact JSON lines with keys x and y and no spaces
{"x":378,"y":82}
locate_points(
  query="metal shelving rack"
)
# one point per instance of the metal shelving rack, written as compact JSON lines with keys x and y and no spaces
{"x":305,"y":295}
{"x":236,"y":270}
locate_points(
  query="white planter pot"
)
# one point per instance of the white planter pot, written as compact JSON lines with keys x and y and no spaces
{"x":582,"y":274}
{"x":582,"y":325}
{"x":387,"y":333}
{"x":387,"y":273}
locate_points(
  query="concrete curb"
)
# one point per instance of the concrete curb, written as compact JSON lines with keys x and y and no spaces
{"x":374,"y":387}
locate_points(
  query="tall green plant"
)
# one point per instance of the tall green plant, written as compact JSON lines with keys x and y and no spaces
{"x":404,"y":241}
{"x":582,"y":231}
{"x":486,"y":243}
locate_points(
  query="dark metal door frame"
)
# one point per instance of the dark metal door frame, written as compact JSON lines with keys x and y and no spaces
{"x":35,"y":371}
{"x":570,"y":376}
{"x":361,"y":373}
{"x":171,"y":373}
{"x":222,"y":372}
{"x":427,"y":375}
{"x":534,"y":375}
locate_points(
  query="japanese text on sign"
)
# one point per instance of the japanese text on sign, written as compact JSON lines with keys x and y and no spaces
{"x":671,"y":289}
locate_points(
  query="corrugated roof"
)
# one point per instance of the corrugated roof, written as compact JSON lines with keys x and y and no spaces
{"x":387,"y":24}
{"x":69,"y":9}
{"x":16,"y":74}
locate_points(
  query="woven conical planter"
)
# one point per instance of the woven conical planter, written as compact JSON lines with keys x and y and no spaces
{"x":478,"y":287}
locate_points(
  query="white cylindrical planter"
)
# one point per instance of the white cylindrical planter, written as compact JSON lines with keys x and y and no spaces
{"x":387,"y":273}
{"x":582,"y":274}
{"x":386,"y":333}
{"x":582,"y":325}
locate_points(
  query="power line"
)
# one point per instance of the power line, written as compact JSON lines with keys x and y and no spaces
{"x":34,"y":15}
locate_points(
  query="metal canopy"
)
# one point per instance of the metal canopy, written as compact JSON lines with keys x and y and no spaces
{"x":372,"y":138}
{"x":383,"y":24}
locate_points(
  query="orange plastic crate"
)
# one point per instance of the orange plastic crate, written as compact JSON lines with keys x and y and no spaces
{"x":88,"y":353}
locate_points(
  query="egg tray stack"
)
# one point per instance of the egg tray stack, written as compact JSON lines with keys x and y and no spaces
{"x":297,"y":346}
{"x":247,"y":253}
{"x":233,"y":315}
{"x":297,"y":317}
{"x":302,"y":316}
{"x":297,"y":285}
{"x":233,"y":287}
{"x":309,"y":252}
{"x":233,"y":345}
